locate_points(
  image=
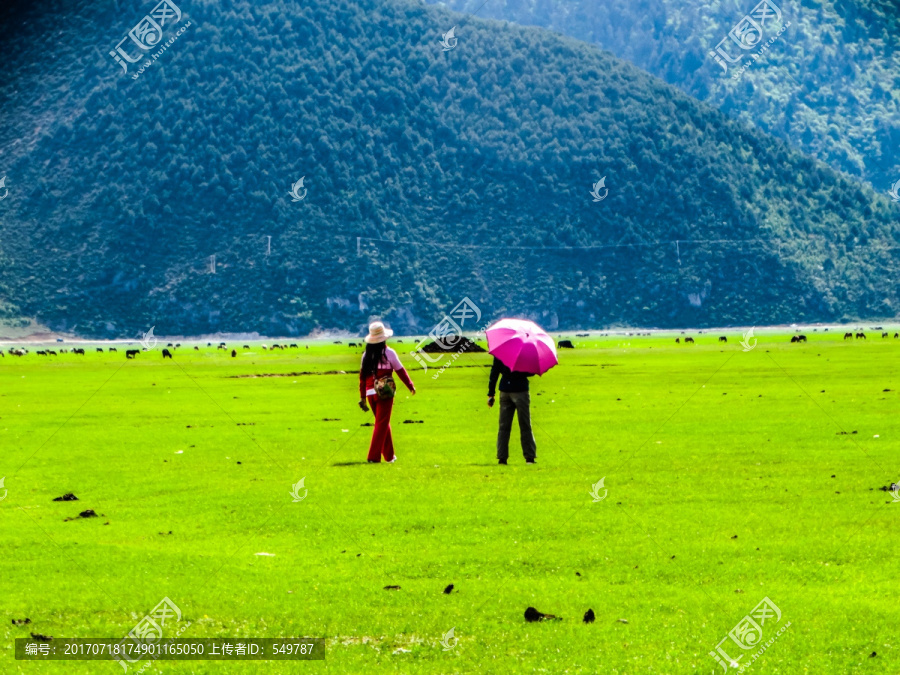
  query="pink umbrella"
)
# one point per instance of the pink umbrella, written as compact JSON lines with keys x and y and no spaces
{"x":522,"y":345}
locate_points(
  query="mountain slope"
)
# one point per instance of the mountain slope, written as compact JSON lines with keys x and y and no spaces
{"x":830,"y":85}
{"x":477,"y":162}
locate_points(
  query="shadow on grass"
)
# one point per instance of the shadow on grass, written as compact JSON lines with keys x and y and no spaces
{"x":349,"y":463}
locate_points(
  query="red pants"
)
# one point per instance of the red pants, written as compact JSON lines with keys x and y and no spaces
{"x":382,"y":443}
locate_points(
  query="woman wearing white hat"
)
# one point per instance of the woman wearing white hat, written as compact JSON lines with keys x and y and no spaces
{"x":376,"y":384}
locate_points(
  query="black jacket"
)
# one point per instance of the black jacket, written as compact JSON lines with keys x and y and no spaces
{"x":510,"y":380}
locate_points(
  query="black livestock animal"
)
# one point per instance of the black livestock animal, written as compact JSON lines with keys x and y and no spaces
{"x":848,"y":336}
{"x":688,"y":339}
{"x":100,"y":349}
{"x":246,"y":346}
{"x":196,"y":348}
{"x":41,"y":353}
{"x":860,"y":336}
{"x":884,"y":335}
{"x":723,"y":339}
{"x":794,"y":339}
{"x":294,"y":345}
{"x":801,"y":338}
{"x":50,"y":352}
{"x":565,"y":344}
{"x":677,"y":341}
{"x":131,"y":353}
{"x":351,"y":344}
{"x":113,"y":349}
{"x":233,"y":353}
{"x":78,"y":350}
{"x":166,"y":354}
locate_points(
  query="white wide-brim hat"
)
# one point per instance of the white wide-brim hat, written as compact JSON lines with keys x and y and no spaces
{"x":378,"y":333}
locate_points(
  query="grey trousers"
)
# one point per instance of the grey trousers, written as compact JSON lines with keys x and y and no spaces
{"x":510,"y":404}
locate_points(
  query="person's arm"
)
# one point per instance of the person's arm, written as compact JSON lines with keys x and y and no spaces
{"x":398,"y":368}
{"x":404,"y":377}
{"x":495,"y":373}
{"x":362,"y":383}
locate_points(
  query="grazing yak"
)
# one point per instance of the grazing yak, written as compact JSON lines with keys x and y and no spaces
{"x":351,"y":344}
{"x":233,"y":353}
{"x":78,"y":351}
{"x":688,"y":339}
{"x":565,"y":344}
{"x":131,"y":353}
{"x":166,"y":354}
{"x":677,"y":341}
{"x":723,"y":339}
{"x":884,"y":335}
{"x":246,"y":346}
{"x":798,"y":338}
{"x":848,"y":336}
{"x":113,"y":349}
{"x":860,"y":336}
{"x":294,"y":346}
{"x":100,"y":349}
{"x":196,"y":348}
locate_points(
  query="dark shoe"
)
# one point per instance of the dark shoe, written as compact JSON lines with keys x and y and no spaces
{"x":530,"y":461}
{"x":502,"y":461}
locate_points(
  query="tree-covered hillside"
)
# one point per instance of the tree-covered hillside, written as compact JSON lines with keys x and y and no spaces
{"x":429,"y":174}
{"x":829,"y":85}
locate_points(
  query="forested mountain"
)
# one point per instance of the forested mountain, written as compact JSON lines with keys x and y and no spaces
{"x":829,"y":85}
{"x":430,"y":173}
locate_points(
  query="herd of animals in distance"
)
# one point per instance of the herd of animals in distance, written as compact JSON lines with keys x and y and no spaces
{"x":167,"y":353}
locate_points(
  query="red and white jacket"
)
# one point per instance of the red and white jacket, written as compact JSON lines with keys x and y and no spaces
{"x":390,"y":364}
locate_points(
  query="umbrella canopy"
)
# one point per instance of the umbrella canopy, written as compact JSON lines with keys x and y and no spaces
{"x":522,"y":345}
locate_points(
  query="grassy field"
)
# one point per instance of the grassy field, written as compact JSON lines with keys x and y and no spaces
{"x":730,"y":476}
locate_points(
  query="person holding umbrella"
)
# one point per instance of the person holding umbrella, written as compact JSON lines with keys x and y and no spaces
{"x":520,"y":349}
{"x":376,"y":384}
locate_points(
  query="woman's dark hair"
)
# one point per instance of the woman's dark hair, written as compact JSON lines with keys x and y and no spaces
{"x":374,"y":355}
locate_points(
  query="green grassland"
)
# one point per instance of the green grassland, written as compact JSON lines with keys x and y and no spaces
{"x":729,"y":479}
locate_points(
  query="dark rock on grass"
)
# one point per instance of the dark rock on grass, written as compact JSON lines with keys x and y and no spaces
{"x":392,"y":588}
{"x":42,"y":638}
{"x":21,"y":622}
{"x":464,"y":344}
{"x":589,"y":616}
{"x":413,"y":422}
{"x":89,"y":513}
{"x":873,"y":655}
{"x":68,"y":497}
{"x":448,"y":590}
{"x":532,"y":615}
